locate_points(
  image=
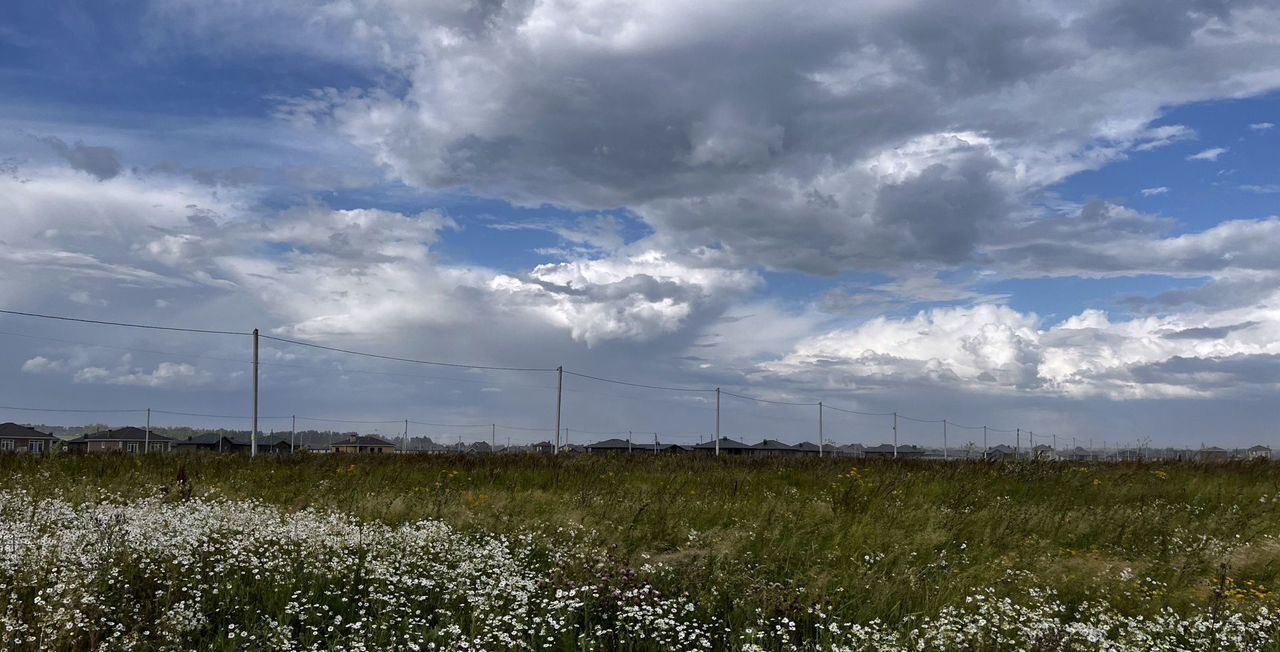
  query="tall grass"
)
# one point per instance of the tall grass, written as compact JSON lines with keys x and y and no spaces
{"x":856,"y":540}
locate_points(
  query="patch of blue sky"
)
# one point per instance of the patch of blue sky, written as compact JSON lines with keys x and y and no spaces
{"x":1199,"y":194}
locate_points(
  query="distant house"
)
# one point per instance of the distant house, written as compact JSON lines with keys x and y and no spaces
{"x":219,"y":443}
{"x":14,"y":437}
{"x":1258,"y":453}
{"x":278,"y":444}
{"x":428,"y":446}
{"x":727,"y":447}
{"x":773,"y":447}
{"x":883,"y":450}
{"x":363,"y":444}
{"x":542,"y":447}
{"x":1080,"y":454}
{"x":615,"y":446}
{"x":1212,"y":454}
{"x":128,"y":440}
{"x":209,"y":441}
{"x":848,"y":450}
{"x":1044,"y":452}
{"x":889,"y":450}
{"x":999,"y":453}
{"x":810,"y":448}
{"x":480,"y":447}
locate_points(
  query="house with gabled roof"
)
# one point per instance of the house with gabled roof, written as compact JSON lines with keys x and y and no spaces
{"x":1258,"y":453}
{"x":848,"y":450}
{"x":128,"y":440}
{"x":363,"y":444}
{"x":727,"y":447}
{"x":614,"y":446}
{"x":999,"y":452}
{"x":25,"y":439}
{"x":773,"y":447}
{"x":810,"y":448}
{"x":889,"y":450}
{"x":1212,"y":454}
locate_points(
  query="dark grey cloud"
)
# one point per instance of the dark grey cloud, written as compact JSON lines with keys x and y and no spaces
{"x":1209,"y":332}
{"x":101,"y":162}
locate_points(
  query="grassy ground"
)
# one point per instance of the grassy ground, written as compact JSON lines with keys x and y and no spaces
{"x":861,"y":540}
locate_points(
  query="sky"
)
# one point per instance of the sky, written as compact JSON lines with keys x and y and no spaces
{"x":1059,"y":217}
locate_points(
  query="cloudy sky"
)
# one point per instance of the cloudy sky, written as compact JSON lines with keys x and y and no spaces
{"x":1058,"y":216}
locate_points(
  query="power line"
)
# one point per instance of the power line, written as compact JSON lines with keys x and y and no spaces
{"x":764,"y":400}
{"x":642,"y":385}
{"x":213,"y":416}
{"x":399,"y":359}
{"x":356,"y":421}
{"x":903,"y":416}
{"x":123,"y":324}
{"x":29,"y":409}
{"x":402,"y":359}
{"x":865,"y":414}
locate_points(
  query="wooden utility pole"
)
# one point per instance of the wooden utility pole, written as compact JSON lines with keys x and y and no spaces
{"x":293,"y":432}
{"x":819,"y":429}
{"x":717,"y":422}
{"x":944,"y":440}
{"x":895,"y":435}
{"x":146,"y":439}
{"x":253,"y":436}
{"x":559,"y":394}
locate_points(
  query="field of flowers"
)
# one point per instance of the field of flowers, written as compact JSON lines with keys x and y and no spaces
{"x":495,"y":553}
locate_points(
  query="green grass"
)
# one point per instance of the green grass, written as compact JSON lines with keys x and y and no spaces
{"x":865,"y":539}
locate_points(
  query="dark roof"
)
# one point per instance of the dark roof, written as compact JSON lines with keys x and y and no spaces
{"x":882,"y":448}
{"x":1259,"y":448}
{"x":1001,"y":448}
{"x":1213,"y":449}
{"x":125,"y":434}
{"x":725,"y":443}
{"x":614,"y":443}
{"x":207,"y":439}
{"x":773,"y":445}
{"x":362,"y":440}
{"x":810,"y":447}
{"x":271,"y":440}
{"x":15,"y":431}
{"x":1042,"y":447}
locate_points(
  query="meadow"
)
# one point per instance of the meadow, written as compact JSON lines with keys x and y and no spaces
{"x":328,"y":552}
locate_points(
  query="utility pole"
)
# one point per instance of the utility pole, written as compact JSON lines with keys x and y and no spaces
{"x":253,"y":436}
{"x":566,"y":436}
{"x":406,"y":436}
{"x":895,"y":435}
{"x":944,"y":440}
{"x":1017,"y":444}
{"x":628,"y":441}
{"x":819,"y":429}
{"x":984,"y":441}
{"x":559,"y":394}
{"x":146,"y":439}
{"x":293,"y":432}
{"x":717,"y":422}
{"x":655,"y":443}
{"x":493,"y":437}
